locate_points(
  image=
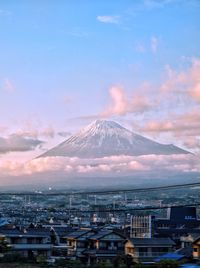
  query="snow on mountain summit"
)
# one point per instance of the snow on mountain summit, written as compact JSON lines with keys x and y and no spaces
{"x":107,"y":138}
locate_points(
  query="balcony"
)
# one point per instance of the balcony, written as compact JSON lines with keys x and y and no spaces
{"x":147,"y":254}
{"x":31,"y":246}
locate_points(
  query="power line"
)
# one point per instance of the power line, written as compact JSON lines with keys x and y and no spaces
{"x":141,"y":189}
{"x":165,"y":187}
{"x":135,"y":209}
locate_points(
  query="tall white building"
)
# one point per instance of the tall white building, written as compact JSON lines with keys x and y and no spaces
{"x":141,"y":227}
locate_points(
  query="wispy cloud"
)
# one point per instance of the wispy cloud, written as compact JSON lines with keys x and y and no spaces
{"x":64,"y":134}
{"x":156,"y":4}
{"x":108,"y":19}
{"x":78,"y":32}
{"x":154,"y":44}
{"x":4,"y":12}
{"x":183,"y":127}
{"x":8,"y":86}
{"x":185,"y":82}
{"x":178,"y":123}
{"x":30,"y":131}
{"x":139,"y":47}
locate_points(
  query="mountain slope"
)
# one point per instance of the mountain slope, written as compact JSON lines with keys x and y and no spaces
{"x":107,"y":138}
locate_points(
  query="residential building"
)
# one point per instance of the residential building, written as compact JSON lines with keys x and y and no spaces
{"x":147,"y":249}
{"x":105,"y":244}
{"x":196,"y":249}
{"x":29,"y":243}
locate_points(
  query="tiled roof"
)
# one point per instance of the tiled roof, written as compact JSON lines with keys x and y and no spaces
{"x":63,"y":231}
{"x":77,"y":233}
{"x":100,"y":234}
{"x":42,"y":232}
{"x":103,"y":233}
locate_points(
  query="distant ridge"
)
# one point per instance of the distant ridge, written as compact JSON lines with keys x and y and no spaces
{"x":107,"y":138}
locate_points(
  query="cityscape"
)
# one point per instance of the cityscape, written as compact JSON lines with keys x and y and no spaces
{"x":100,"y":134}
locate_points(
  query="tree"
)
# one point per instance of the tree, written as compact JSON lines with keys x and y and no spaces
{"x":4,"y":246}
{"x":167,"y":264}
{"x":102,"y":264}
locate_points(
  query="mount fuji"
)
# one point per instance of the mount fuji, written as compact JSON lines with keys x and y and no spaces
{"x":107,"y":138}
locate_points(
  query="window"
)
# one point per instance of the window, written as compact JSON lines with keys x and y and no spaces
{"x":129,"y":250}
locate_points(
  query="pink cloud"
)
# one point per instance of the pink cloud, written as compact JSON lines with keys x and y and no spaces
{"x":195,"y":92}
{"x":104,"y":166}
{"x":185,"y":82}
{"x":121,"y":104}
{"x":185,"y":127}
{"x":189,"y":121}
{"x":192,"y":142}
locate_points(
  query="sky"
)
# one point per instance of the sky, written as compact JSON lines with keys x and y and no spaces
{"x":64,"y":64}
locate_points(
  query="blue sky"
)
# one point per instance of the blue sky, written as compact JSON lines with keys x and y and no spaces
{"x":59,"y":61}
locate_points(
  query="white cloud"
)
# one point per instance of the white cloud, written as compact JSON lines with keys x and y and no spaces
{"x":108,"y":19}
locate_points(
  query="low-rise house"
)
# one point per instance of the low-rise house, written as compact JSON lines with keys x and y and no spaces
{"x":29,"y":243}
{"x":147,"y":249}
{"x":92,"y":245}
{"x":77,"y":241}
{"x":196,"y":249}
{"x":104,"y":245}
{"x":187,"y":240}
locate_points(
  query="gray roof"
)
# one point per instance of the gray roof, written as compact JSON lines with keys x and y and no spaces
{"x":63,"y":231}
{"x":41,"y":232}
{"x":77,"y":233}
{"x":103,"y":233}
{"x":152,"y":241}
{"x":196,"y":240}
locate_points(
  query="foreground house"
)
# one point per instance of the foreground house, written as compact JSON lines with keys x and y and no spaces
{"x":77,"y":242}
{"x":196,"y":249}
{"x":105,"y":245}
{"x":29,"y":243}
{"x":92,"y":245}
{"x":147,"y":249}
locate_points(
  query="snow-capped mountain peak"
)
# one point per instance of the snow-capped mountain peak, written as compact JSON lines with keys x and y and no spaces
{"x":107,"y":138}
